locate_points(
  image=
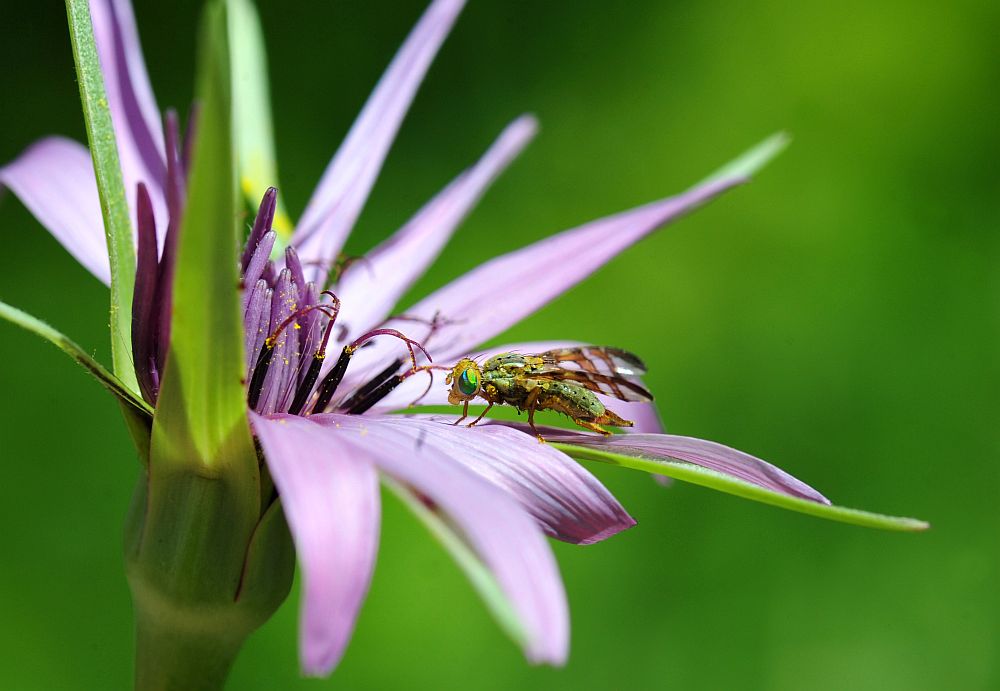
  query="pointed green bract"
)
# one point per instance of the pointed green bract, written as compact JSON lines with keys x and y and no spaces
{"x":688,"y":472}
{"x":110,"y":188}
{"x":197,"y":507}
{"x":201,"y":407}
{"x":752,"y":160}
{"x":479,"y":575}
{"x":66,"y":344}
{"x":254,"y":131}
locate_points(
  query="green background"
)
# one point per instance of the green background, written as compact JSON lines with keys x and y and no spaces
{"x":838,"y":317}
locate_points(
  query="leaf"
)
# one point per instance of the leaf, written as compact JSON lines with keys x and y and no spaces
{"x":475,"y":570}
{"x":253,"y":129}
{"x":688,"y":472}
{"x":752,"y":160}
{"x":65,"y":344}
{"x":202,"y":407}
{"x":114,"y":207}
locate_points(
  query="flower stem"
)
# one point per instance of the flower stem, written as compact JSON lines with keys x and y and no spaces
{"x":175,"y":656}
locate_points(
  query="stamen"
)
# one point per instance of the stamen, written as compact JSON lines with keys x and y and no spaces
{"x":263,"y":363}
{"x":269,"y":273}
{"x":373,"y":383}
{"x":377,"y":395}
{"x":386,"y":387}
{"x":176,"y":188}
{"x":305,"y":387}
{"x":258,"y":261}
{"x":361,"y":340}
{"x":143,"y":302}
{"x":261,"y":225}
{"x":332,"y":380}
{"x":252,"y":318}
{"x":295,"y":266}
{"x":435,"y":322}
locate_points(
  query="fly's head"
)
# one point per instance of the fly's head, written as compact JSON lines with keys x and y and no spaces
{"x":466,"y":381}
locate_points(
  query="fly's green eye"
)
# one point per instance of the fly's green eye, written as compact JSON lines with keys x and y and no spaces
{"x":468,"y":382}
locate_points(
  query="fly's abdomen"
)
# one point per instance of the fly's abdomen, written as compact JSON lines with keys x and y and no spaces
{"x":572,"y":400}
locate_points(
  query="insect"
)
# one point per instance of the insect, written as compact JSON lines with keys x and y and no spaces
{"x":563,"y":380}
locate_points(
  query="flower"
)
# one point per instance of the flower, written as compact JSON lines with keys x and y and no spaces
{"x":327,"y":428}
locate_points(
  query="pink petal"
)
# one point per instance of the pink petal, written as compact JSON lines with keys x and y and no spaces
{"x":411,"y":391}
{"x":707,"y":454}
{"x":504,"y":536}
{"x":344,"y":187}
{"x":329,"y":492}
{"x":644,"y":416}
{"x":371,"y":288}
{"x":54,"y":178}
{"x":501,"y":292}
{"x":568,"y":502}
{"x":134,"y":113}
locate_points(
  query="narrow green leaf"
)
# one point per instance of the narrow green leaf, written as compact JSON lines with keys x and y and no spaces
{"x":688,"y":472}
{"x":201,"y":409}
{"x":114,"y":208}
{"x":752,"y":160}
{"x":474,"y":569}
{"x":65,"y":344}
{"x":258,"y":168}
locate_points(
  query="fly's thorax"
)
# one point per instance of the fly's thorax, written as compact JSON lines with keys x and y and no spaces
{"x":509,"y":362}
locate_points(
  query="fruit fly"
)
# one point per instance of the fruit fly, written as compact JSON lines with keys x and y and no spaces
{"x":563,"y":380}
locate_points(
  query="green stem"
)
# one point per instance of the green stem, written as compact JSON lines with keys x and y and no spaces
{"x":193,"y":653}
{"x":110,"y":188}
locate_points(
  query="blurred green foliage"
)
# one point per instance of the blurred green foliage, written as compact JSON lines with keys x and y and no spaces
{"x":839,"y":317}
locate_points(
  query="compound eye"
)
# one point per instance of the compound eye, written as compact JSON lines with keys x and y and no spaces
{"x":468,"y":382}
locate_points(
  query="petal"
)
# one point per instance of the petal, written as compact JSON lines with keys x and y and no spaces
{"x":530,"y":277}
{"x":567,"y":501}
{"x":707,"y":454}
{"x":414,"y":390}
{"x":134,"y":112}
{"x":720,"y":468}
{"x":330,"y":496}
{"x":371,"y":288}
{"x":495,"y":526}
{"x":349,"y":177}
{"x":54,"y":178}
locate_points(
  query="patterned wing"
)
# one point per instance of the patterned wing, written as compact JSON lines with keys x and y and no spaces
{"x":611,"y":371}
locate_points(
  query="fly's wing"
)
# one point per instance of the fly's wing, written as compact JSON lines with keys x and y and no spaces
{"x":611,"y":371}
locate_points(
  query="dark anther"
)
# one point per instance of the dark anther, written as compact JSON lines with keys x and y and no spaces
{"x":259,"y":374}
{"x":305,"y":388}
{"x":332,"y":380}
{"x":377,"y":395}
{"x":267,"y":351}
{"x":373,"y":383}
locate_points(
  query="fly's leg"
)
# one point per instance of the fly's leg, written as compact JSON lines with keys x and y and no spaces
{"x":592,"y":426}
{"x":481,"y":415}
{"x":530,"y":404}
{"x":465,"y":414}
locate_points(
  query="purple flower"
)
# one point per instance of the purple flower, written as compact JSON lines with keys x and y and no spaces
{"x":325,"y":424}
